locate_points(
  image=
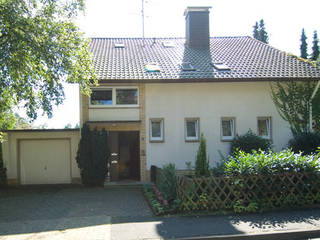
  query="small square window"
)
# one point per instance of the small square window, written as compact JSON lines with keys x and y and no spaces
{"x":127,"y":96}
{"x":227,"y":129}
{"x":264,"y":127}
{"x":101,"y":97}
{"x":156,"y":130}
{"x":192,"y":129}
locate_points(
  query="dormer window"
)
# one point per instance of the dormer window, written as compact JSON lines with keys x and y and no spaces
{"x":186,"y":66}
{"x":119,"y":45}
{"x":168,"y":44}
{"x":152,"y":67}
{"x":221,"y":66}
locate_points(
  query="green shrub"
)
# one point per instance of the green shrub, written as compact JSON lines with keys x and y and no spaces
{"x":249,"y":142}
{"x":92,"y":156}
{"x":307,"y":143}
{"x":167,"y":183}
{"x":202,"y":162}
{"x":260,"y":162}
{"x":3,"y":170}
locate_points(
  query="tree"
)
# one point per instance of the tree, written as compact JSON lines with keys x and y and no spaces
{"x":315,"y":47}
{"x":40,"y":48}
{"x":292,"y":102}
{"x":256,"y":31}
{"x":304,"y":45}
{"x":202,"y":162}
{"x":260,"y":33}
{"x":263,"y":33}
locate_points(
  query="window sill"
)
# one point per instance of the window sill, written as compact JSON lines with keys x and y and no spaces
{"x":227,"y":139}
{"x":114,"y":107}
{"x":156,"y":141}
{"x":191,"y":140}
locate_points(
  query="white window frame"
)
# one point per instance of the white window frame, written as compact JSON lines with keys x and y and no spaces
{"x":156,"y":139}
{"x":269,"y":127}
{"x":232,"y":120}
{"x":197,"y":137}
{"x":114,"y":98}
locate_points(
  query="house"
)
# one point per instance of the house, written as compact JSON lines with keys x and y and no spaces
{"x":157,"y":95}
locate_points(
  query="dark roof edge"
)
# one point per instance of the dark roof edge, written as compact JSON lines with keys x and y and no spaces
{"x":222,"y":80}
{"x":43,"y":130}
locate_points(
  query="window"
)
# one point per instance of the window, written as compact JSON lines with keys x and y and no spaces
{"x":127,"y":96}
{"x":113,"y":97}
{"x":192,"y":129}
{"x":264,"y":127}
{"x":227,"y":129}
{"x":119,"y":45}
{"x":156,"y":130}
{"x":221,"y":66}
{"x":186,"y":66}
{"x":101,"y":97}
{"x":168,"y":44}
{"x":152,"y":67}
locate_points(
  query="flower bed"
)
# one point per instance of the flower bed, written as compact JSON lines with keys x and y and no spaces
{"x":156,"y":200}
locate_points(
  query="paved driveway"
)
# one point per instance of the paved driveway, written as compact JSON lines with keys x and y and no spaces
{"x":66,"y":212}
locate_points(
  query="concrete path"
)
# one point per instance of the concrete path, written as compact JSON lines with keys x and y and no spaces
{"x":121,"y":213}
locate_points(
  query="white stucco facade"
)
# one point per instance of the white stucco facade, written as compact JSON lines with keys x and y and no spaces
{"x":209,"y":102}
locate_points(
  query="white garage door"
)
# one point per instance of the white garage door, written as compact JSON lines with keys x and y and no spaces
{"x":45,"y":161}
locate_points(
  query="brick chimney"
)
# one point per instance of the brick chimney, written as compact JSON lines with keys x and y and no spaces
{"x":197,"y":27}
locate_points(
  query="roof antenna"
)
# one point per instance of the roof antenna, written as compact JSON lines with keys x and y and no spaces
{"x":142,"y":13}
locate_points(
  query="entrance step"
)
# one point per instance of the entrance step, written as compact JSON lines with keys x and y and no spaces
{"x":125,"y":184}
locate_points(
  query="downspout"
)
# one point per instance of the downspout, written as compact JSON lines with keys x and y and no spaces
{"x":310,"y":105}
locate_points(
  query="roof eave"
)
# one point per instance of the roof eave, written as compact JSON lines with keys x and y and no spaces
{"x":193,"y":80}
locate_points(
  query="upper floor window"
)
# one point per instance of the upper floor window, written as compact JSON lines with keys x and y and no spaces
{"x":113,"y":97}
{"x":101,"y":97}
{"x":227,"y":128}
{"x":127,"y":96}
{"x":264,"y":127}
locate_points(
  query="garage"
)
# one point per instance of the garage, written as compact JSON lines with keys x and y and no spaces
{"x":41,"y":156}
{"x":44,"y":161}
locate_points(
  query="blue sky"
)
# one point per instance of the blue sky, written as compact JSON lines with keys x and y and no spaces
{"x":284,"y":20}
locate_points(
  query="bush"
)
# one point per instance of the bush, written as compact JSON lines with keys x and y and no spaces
{"x":92,"y":156}
{"x":260,"y":162}
{"x":307,"y":143}
{"x":202,"y":162}
{"x":167,"y":182}
{"x":249,"y":142}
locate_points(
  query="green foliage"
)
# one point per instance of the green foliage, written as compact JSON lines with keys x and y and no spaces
{"x":315,"y":47}
{"x":260,"y":33}
{"x":40,"y":49}
{"x":249,"y":142}
{"x":260,"y":162}
{"x":168,"y":182}
{"x":304,"y":45}
{"x":3,"y":170}
{"x":307,"y":143}
{"x":202,"y":161}
{"x":292,"y":102}
{"x":92,"y":156}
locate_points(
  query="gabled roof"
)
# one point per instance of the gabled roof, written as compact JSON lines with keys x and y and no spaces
{"x":247,"y":58}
